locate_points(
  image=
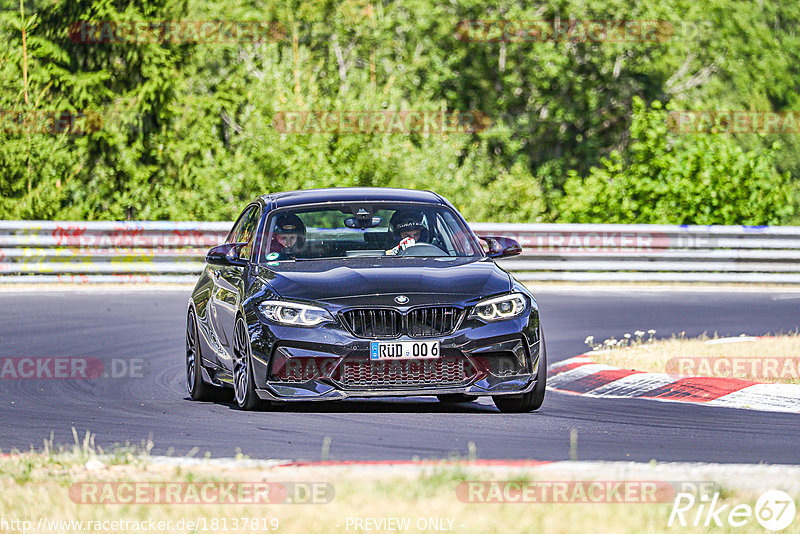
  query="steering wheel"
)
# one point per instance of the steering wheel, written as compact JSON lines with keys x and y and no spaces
{"x":422,"y":249}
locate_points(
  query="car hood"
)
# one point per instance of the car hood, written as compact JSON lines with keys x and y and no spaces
{"x":341,"y":280}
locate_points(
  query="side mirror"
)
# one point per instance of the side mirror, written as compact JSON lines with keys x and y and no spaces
{"x":227,"y":254}
{"x":501,"y":247}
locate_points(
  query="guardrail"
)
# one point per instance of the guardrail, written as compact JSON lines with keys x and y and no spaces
{"x":150,"y":251}
{"x":51,"y":251}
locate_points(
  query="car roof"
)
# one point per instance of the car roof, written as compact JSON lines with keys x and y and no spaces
{"x":349,"y":194}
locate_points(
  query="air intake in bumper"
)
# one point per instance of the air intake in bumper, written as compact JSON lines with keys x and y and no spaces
{"x":443,"y":372}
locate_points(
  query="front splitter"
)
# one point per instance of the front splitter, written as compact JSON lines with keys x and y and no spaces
{"x":314,"y":390}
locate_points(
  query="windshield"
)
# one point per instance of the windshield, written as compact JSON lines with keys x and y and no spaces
{"x":372,"y":230}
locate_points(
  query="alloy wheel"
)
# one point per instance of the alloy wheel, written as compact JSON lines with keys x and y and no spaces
{"x":241,"y":354}
{"x":191,"y":353}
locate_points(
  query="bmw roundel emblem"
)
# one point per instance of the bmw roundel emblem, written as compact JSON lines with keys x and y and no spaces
{"x":401,"y":299}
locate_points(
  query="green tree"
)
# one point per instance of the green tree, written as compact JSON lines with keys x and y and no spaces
{"x":676,"y":179}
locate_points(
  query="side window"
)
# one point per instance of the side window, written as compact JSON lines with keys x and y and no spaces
{"x":446,"y":241}
{"x":248,"y":230}
{"x":458,"y":239}
{"x":237,"y":226}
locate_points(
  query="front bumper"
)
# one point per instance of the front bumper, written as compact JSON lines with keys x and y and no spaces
{"x":324,"y":392}
{"x":309,"y":364}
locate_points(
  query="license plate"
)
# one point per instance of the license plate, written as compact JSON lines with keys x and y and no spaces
{"x":403,"y":350}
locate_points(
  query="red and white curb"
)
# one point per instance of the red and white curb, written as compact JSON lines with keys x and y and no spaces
{"x":582,"y":376}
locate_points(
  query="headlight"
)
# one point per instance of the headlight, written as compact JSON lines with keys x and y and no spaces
{"x":294,"y":313}
{"x":500,"y":308}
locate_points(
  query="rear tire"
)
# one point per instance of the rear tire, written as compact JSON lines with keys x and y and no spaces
{"x":197,"y":388}
{"x":531,"y":401}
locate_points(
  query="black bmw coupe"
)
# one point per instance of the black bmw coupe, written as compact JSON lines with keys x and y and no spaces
{"x":362,"y":292}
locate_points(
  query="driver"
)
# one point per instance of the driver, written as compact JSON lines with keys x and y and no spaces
{"x":288,"y":235}
{"x":408,"y":227}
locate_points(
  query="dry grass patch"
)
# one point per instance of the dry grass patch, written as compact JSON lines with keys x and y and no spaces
{"x":774,"y":359}
{"x":35,"y":486}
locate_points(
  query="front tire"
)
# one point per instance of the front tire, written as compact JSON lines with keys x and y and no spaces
{"x":531,"y":401}
{"x":243,"y":386}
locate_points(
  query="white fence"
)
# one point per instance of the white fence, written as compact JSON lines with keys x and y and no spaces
{"x":53,"y":251}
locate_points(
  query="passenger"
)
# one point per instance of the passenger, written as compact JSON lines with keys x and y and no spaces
{"x":288,"y":235}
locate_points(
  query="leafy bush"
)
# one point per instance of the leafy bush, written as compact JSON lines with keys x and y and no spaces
{"x":666,"y":178}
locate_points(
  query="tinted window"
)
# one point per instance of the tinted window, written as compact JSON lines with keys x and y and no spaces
{"x":237,"y":226}
{"x":374,"y":229}
{"x":247,"y":230}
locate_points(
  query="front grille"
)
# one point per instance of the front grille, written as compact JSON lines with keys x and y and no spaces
{"x":377,"y":323}
{"x":443,"y":372}
{"x":374,"y":323}
{"x":424,"y":322}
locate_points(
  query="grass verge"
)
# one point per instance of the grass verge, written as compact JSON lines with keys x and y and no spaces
{"x":771,"y":359}
{"x":40,"y":486}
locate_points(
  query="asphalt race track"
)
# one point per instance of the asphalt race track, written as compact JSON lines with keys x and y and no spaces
{"x":145,"y":329}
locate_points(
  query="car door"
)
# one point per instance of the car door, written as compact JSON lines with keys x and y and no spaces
{"x":216,"y":333}
{"x":229,"y":280}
